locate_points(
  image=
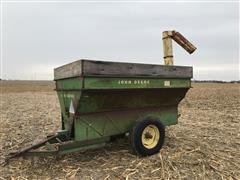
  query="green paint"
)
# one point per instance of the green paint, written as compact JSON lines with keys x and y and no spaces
{"x":105,"y":124}
{"x":82,"y":148}
{"x":67,"y":84}
{"x":69,"y":147}
{"x":65,"y":98}
{"x":102,"y":111}
{"x":92,"y":101}
{"x":124,"y":82}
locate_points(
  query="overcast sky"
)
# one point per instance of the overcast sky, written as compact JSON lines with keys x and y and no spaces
{"x":38,"y":37}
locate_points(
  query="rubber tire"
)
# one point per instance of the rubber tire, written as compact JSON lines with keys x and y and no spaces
{"x":136,"y":134}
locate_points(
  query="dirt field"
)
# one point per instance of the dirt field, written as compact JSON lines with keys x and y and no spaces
{"x":204,"y":145}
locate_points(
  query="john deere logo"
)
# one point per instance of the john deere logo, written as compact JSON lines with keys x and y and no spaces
{"x":135,"y":82}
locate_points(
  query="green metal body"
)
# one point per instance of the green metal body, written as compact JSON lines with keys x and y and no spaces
{"x":106,"y":106}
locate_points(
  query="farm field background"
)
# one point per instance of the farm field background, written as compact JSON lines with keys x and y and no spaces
{"x":204,"y":144}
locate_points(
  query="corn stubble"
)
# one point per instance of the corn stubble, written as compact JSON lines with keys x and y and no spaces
{"x":205,"y":144}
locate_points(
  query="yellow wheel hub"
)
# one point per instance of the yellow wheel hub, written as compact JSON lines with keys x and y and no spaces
{"x":150,"y":136}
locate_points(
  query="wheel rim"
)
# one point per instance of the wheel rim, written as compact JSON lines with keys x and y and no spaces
{"x":150,"y":136}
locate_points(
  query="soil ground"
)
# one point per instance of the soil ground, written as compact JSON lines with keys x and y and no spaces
{"x":205,"y":144}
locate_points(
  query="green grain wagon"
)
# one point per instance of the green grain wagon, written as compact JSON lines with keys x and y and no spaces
{"x":102,"y":100}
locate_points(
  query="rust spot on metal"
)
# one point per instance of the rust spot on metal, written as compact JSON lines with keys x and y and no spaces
{"x":182,"y":41}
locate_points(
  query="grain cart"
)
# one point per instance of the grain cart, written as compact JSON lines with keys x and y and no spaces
{"x":101,"y":100}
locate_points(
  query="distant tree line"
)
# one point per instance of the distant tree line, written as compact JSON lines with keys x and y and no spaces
{"x":215,"y":81}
